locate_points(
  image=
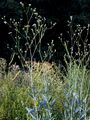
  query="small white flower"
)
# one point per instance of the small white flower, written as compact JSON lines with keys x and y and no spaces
{"x":36,"y":13}
{"x":55,"y":50}
{"x":34,"y":10}
{"x":15,"y":23}
{"x":88,"y":25}
{"x":71,"y":18}
{"x":10,"y":33}
{"x":34,"y":25}
{"x":54,"y":24}
{"x":5,"y":22}
{"x":38,"y":21}
{"x":4,"y":16}
{"x":14,"y":20}
{"x":22,"y":4}
{"x":27,"y":26}
{"x":29,"y":5}
{"x":10,"y":19}
{"x":21,"y":19}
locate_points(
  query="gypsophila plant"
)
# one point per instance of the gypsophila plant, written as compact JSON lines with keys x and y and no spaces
{"x":77,"y":47}
{"x":27,"y":34}
{"x":77,"y":84}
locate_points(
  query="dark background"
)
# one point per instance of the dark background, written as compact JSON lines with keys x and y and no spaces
{"x":58,"y":11}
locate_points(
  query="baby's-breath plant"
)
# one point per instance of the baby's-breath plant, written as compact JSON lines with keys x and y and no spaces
{"x":77,"y":46}
{"x":27,"y":34}
{"x":77,"y":83}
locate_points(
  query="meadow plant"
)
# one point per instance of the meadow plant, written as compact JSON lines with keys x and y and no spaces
{"x":27,"y":34}
{"x":45,"y":86}
{"x":38,"y":80}
{"x":22,"y":92}
{"x":76,"y":92}
{"x":77,"y":81}
{"x":41,"y":92}
{"x":77,"y":47}
{"x":3,"y":65}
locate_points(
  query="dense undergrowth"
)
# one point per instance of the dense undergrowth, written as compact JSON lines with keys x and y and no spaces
{"x":42,"y":94}
{"x":41,"y":90}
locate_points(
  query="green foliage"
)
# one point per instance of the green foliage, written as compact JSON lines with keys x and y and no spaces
{"x":17,"y":89}
{"x":13,"y":100}
{"x":2,"y":67}
{"x":76,"y":92}
{"x":41,"y":87}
